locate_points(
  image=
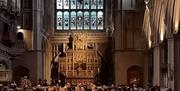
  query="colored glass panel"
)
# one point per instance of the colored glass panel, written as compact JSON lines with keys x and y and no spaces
{"x":86,"y":20}
{"x":59,"y":20}
{"x":73,"y":20}
{"x":59,"y":4}
{"x":66,"y":20}
{"x":100,"y":20}
{"x":93,"y":20}
{"x":79,"y":20}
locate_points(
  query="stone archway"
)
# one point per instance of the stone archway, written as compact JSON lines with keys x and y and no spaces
{"x":135,"y":75}
{"x":20,"y":72}
{"x":20,"y":36}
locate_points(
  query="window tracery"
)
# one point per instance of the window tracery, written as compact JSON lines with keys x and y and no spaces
{"x":79,"y":14}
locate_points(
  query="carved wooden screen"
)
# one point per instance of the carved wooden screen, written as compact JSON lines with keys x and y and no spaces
{"x":80,"y":63}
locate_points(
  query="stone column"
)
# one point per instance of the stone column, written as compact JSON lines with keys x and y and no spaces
{"x":156,"y":68}
{"x":170,"y":63}
{"x":37,"y":37}
{"x":176,"y":63}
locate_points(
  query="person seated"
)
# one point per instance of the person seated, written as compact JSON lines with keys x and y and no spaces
{"x":93,"y":87}
{"x":13,"y":85}
{"x":1,"y":87}
{"x":44,"y":82}
{"x":88,"y":87}
{"x":79,"y":87}
{"x":26,"y":83}
{"x":6,"y":88}
{"x":39,"y":83}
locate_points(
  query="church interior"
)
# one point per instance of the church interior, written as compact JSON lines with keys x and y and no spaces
{"x":113,"y":43}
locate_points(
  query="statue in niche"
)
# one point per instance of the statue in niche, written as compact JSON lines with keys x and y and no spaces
{"x":70,"y":44}
{"x":80,"y":41}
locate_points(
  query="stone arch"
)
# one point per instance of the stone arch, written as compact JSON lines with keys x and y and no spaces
{"x":20,"y":36}
{"x":19,"y":72}
{"x":5,"y":32}
{"x":135,"y":75}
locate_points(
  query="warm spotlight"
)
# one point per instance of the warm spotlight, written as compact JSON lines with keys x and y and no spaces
{"x":20,"y":30}
{"x":146,"y":1}
{"x":18,"y":27}
{"x":150,"y":43}
{"x":176,"y":27}
{"x":161,"y":36}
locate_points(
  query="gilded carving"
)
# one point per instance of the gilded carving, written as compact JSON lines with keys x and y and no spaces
{"x":80,"y":41}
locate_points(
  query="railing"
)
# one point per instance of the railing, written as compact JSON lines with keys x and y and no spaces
{"x":5,"y":75}
{"x":17,"y":49}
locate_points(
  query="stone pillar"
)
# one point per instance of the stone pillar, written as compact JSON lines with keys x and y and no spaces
{"x":37,"y":37}
{"x":156,"y":68}
{"x":176,"y":63}
{"x":171,"y":63}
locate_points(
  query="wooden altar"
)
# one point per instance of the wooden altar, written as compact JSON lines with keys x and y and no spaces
{"x":81,"y":62}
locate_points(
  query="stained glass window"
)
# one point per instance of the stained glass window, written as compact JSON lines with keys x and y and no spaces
{"x":100,"y":4}
{"x":73,"y":4}
{"x":86,"y":20}
{"x":79,"y":20}
{"x":93,"y":20}
{"x":100,"y":20}
{"x":93,"y":4}
{"x":73,"y":20}
{"x":59,"y":4}
{"x":66,"y":20}
{"x":79,"y":14}
{"x":59,"y":20}
{"x":66,"y":4}
{"x":86,"y":4}
{"x":79,"y":4}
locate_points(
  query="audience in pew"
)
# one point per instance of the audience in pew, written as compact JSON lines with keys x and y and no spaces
{"x":56,"y":86}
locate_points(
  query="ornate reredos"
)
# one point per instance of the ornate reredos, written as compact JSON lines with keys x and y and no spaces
{"x":79,"y":41}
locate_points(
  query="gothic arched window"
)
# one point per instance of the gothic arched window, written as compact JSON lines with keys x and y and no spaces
{"x":79,"y":14}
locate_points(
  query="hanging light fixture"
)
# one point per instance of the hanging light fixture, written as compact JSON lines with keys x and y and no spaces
{"x":18,"y":27}
{"x":146,"y":2}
